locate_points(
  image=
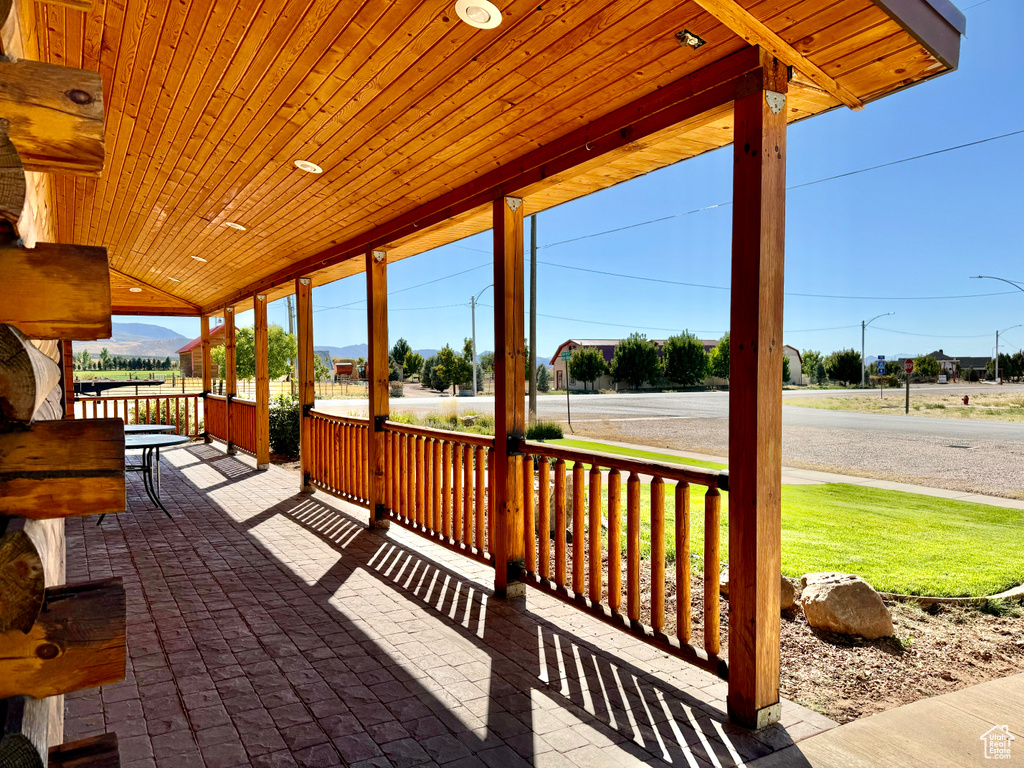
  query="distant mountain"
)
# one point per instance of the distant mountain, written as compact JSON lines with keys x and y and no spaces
{"x":136,"y":340}
{"x":361,"y":350}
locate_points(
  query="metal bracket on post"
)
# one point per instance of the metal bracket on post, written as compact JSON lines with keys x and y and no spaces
{"x":307,"y":409}
{"x":380,"y":512}
{"x":514,"y":203}
{"x":776,"y":101}
{"x":379,"y":422}
{"x":378,"y":256}
{"x":512,"y":445}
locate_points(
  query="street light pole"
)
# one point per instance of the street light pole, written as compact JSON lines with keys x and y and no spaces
{"x":1016,"y":285}
{"x":997,"y":348}
{"x":863,"y":328}
{"x":472,"y":305}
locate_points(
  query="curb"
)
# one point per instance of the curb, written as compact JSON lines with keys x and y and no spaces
{"x":932,"y":600}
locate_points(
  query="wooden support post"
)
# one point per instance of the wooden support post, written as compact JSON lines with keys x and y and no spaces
{"x":204,"y":335}
{"x":262,"y":344}
{"x":510,"y":394}
{"x":304,"y":312}
{"x":378,"y":372}
{"x":755,"y":399}
{"x":67,"y":378}
{"x":230,"y":377}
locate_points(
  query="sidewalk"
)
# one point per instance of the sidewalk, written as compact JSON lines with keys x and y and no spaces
{"x":792,"y":476}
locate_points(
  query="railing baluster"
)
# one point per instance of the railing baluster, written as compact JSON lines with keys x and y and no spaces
{"x":614,"y":541}
{"x":633,"y":547}
{"x":410,"y":477}
{"x":421,"y":516}
{"x":560,"y":522}
{"x":456,"y":497}
{"x":480,"y":490}
{"x":657,"y":554}
{"x":529,"y":540}
{"x":467,"y":495}
{"x":579,"y":535}
{"x":177,"y":414}
{"x":544,"y":518}
{"x":446,"y":489}
{"x":491,"y":514}
{"x":712,"y":507}
{"x":594,"y":534}
{"x":683,"y":561}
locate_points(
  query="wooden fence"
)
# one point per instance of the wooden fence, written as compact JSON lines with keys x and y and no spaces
{"x":185,"y":412}
{"x":243,"y":425}
{"x":217,"y":416}
{"x":338,"y":459}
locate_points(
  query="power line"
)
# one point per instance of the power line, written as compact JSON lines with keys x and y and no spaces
{"x":411,"y":287}
{"x":932,"y":335}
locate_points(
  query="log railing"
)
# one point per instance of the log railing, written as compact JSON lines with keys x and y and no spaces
{"x":185,"y":412}
{"x":589,"y":573}
{"x":243,"y":425}
{"x":216,"y":416}
{"x":442,"y":486}
{"x":338,"y":457}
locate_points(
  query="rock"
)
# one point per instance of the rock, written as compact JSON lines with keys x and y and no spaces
{"x":844,"y":604}
{"x":787,"y":590}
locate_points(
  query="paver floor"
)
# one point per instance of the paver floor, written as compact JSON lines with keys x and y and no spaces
{"x":272,"y":628}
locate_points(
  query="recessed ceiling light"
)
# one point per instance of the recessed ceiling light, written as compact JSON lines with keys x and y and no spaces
{"x":133,"y":289}
{"x":199,"y":258}
{"x":686,"y":37}
{"x":234,"y":225}
{"x":174,"y":279}
{"x":308,"y":167}
{"x":478,"y":13}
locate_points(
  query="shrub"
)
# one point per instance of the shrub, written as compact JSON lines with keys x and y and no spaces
{"x":844,"y":365}
{"x":544,"y":430}
{"x":718,"y":360}
{"x":543,"y":378}
{"x":284,"y":425}
{"x":397,"y":389}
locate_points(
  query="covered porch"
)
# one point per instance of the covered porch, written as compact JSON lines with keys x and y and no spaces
{"x":273,"y":627}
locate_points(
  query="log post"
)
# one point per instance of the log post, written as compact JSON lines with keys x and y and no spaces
{"x":204,"y":334}
{"x":230,"y":377}
{"x":378,"y":373}
{"x":510,"y":394}
{"x":304,"y":312}
{"x":262,"y":344}
{"x":755,"y":399}
{"x":67,"y":378}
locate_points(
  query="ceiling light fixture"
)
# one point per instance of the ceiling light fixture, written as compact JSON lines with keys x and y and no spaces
{"x":199,"y":258}
{"x":234,"y":225}
{"x":133,"y":289}
{"x":174,"y":279}
{"x":308,"y":167}
{"x":686,"y":37}
{"x":478,"y":13}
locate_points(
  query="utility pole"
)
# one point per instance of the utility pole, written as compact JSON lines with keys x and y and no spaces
{"x":291,"y":332}
{"x":863,"y":327}
{"x":472,"y":309}
{"x":532,"y":362}
{"x":997,"y":348}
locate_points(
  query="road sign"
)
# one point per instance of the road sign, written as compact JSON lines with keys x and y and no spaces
{"x":908,"y":365}
{"x":566,"y":355}
{"x":881,"y":366}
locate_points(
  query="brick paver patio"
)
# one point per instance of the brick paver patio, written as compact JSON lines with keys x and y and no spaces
{"x":271,"y":628}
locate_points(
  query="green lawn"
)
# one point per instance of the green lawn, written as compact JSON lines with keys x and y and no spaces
{"x":898,"y":542}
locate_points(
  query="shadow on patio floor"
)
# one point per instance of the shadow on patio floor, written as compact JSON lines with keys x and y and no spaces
{"x":273,"y":628}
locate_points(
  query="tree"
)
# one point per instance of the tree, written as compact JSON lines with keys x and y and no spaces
{"x":785,"y":368}
{"x":320,"y":370}
{"x":587,"y":364}
{"x":453,"y":368}
{"x":487,"y":361}
{"x":719,"y":358}
{"x":398,"y":353}
{"x":105,"y":361}
{"x":686,"y":361}
{"x":428,"y":373}
{"x":820,"y":377}
{"x":636,"y":361}
{"x":281,"y":349}
{"x":927,"y":366}
{"x":809,"y":362}
{"x":413,"y":363}
{"x":543,"y":378}
{"x":844,"y":365}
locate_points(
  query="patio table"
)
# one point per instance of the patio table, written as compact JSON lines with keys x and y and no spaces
{"x":148,"y":429}
{"x":150,"y":445}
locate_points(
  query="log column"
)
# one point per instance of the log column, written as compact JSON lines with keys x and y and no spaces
{"x":304,"y":312}
{"x":755,"y":399}
{"x":230,"y":375}
{"x":204,"y":334}
{"x":378,"y":371}
{"x":259,"y":305}
{"x":510,"y":394}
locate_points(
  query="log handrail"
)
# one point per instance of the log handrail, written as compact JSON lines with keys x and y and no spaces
{"x":710,"y":478}
{"x":466,"y":438}
{"x":221,"y":398}
{"x":184,"y":410}
{"x":353,"y":420}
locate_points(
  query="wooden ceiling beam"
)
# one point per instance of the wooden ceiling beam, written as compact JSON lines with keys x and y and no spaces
{"x":700,"y":92}
{"x":55,"y":116}
{"x":755,"y":32}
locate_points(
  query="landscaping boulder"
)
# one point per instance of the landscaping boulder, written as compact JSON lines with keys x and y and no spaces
{"x":844,"y":604}
{"x":787,"y":590}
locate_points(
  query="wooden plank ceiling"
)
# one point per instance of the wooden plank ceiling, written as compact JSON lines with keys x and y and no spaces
{"x":209,"y":104}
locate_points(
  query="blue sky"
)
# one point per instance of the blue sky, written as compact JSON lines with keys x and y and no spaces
{"x":917,"y":229}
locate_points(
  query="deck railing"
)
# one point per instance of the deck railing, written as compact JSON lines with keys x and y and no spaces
{"x":338,"y":458}
{"x":442,"y":486}
{"x":216,"y":408}
{"x":589,"y":574}
{"x":185,"y":412}
{"x":243,"y":425}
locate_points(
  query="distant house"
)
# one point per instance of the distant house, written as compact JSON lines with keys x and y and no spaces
{"x":607,"y":349}
{"x":190,"y":357}
{"x":948,"y":364}
{"x":796,"y":373}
